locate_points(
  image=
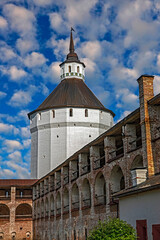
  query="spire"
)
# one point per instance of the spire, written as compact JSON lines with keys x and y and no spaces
{"x":72,"y":56}
{"x":71,"y":46}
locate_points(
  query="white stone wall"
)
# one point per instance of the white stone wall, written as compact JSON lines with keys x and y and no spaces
{"x":140,"y":207}
{"x":55,"y":139}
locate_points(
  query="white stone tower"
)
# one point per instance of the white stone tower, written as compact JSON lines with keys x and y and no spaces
{"x":69,"y":118}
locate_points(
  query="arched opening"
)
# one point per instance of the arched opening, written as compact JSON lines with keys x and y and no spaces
{"x":138,"y":171}
{"x":117,"y":179}
{"x":58,"y":204}
{"x":86,"y":112}
{"x":71,"y":112}
{"x":38,"y":210}
{"x":35,"y":209}
{"x":86,"y":194}
{"x":65,"y":200}
{"x":42,"y":208}
{"x":52,"y":205}
{"x":100,"y":189}
{"x":24,"y":210}
{"x":4,"y":212}
{"x":75,"y":197}
{"x":46,"y":207}
{"x":137,"y":162}
{"x":69,"y":68}
{"x":78,"y":69}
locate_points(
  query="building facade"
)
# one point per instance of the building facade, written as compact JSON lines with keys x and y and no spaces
{"x":69,"y":201}
{"x":16,"y":209}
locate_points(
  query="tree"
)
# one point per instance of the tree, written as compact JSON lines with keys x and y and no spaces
{"x":114,"y":229}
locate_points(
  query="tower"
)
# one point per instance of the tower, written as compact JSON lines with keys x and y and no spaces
{"x":69,"y":118}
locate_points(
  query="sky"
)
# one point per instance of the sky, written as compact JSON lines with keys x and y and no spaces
{"x":117,"y":40}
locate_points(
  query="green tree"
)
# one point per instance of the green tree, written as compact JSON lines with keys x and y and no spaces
{"x":114,"y":229}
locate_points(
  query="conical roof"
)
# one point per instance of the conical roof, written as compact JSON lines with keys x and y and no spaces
{"x":71,"y":93}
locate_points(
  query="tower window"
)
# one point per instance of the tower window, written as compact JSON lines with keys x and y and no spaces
{"x":78,"y":69}
{"x":71,"y":112}
{"x":69,"y":68}
{"x":39,"y":116}
{"x":86,"y":112}
{"x":53,"y":112}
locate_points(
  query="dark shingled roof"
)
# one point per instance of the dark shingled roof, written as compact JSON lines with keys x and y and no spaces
{"x":71,"y":93}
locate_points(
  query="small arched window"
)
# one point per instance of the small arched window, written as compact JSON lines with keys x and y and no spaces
{"x":69,"y":68}
{"x":39,"y":116}
{"x":71,"y":112}
{"x":53,"y":112}
{"x":86,"y":112}
{"x":78,"y":69}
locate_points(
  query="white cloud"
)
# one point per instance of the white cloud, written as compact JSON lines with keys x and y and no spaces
{"x":6,"y":174}
{"x":12,"y":145}
{"x":20,"y":19}
{"x":2,"y":94}
{"x":35,"y":60}
{"x":3,"y":23}
{"x":55,"y":72}
{"x":42,"y":3}
{"x":55,"y":20}
{"x":8,"y":128}
{"x":60,"y":47}
{"x":126,"y":99}
{"x":156,"y":85}
{"x":15,"y":156}
{"x":20,"y":98}
{"x":27,"y":143}
{"x":91,"y":50}
{"x":6,"y":53}
{"x":25,"y":132}
{"x":26,"y":45}
{"x":90,"y":65}
{"x":20,"y":172}
{"x":16,"y":73}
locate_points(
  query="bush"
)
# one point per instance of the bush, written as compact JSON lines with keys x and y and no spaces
{"x":114,"y":229}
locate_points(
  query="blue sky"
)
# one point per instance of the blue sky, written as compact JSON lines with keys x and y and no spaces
{"x":117,"y":40}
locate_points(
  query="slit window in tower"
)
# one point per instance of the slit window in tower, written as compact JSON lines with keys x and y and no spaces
{"x":39,"y":116}
{"x":69,"y":68}
{"x":71,"y":112}
{"x":78,"y":69}
{"x":53,"y":112}
{"x":86,"y":112}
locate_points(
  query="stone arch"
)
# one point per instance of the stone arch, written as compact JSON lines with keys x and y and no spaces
{"x":86,"y":193}
{"x":24,"y":210}
{"x":46,"y":207}
{"x":137,"y":162}
{"x":75,"y":196}
{"x":117,"y":179}
{"x":4,"y":211}
{"x":52,"y":205}
{"x":65,"y":200}
{"x":100,"y":189}
{"x":58,"y":203}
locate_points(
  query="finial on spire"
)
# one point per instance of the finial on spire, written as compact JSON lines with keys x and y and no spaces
{"x":71,"y":46}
